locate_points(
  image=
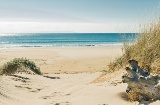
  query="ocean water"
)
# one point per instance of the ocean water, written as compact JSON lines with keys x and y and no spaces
{"x":64,"y":39}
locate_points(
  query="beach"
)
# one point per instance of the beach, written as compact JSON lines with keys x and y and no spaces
{"x":79,"y":52}
{"x":65,"y":59}
{"x":71,"y":76}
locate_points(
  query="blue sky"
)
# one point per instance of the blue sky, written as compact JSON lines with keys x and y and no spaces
{"x":74,"y":15}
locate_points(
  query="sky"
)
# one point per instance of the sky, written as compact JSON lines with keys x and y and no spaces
{"x":81,"y":16}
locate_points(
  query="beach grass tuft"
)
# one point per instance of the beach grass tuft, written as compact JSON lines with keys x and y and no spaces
{"x":21,"y":65}
{"x":146,"y":49}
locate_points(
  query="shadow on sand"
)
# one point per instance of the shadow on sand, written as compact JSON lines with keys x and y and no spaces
{"x":124,"y":96}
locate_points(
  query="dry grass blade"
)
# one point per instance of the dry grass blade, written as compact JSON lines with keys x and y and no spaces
{"x":146,"y":49}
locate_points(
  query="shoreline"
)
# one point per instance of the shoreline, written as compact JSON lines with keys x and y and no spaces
{"x":63,"y":46}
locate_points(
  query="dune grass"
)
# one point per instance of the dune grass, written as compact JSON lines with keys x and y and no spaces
{"x":146,"y":49}
{"x":22,"y":64}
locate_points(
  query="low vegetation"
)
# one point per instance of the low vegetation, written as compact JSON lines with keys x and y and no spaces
{"x":20,"y":65}
{"x":146,"y":50}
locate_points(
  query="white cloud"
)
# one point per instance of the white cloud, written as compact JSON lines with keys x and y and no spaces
{"x":40,"y":27}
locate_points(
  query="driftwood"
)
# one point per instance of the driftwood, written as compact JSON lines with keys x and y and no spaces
{"x":141,"y":85}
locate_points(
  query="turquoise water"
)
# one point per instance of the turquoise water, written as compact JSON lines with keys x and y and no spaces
{"x":63,"y":39}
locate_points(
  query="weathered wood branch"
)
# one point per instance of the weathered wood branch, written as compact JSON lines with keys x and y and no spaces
{"x":141,"y":85}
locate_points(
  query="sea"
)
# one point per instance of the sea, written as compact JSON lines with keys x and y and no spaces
{"x":22,"y":40}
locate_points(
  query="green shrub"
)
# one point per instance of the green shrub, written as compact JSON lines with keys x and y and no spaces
{"x":19,"y":63}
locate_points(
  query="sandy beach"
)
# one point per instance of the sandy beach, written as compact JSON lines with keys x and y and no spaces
{"x":65,"y":60}
{"x":79,"y":52}
{"x":70,"y":77}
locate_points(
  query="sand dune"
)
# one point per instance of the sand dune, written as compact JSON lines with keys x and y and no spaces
{"x":76,"y":83}
{"x":62,"y":89}
{"x":71,"y":89}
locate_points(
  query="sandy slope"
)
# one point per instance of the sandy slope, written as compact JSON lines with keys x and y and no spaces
{"x":62,"y":89}
{"x":70,"y":88}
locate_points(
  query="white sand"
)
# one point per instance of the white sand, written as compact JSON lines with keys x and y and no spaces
{"x":65,"y":89}
{"x":60,"y":60}
{"x":72,"y":89}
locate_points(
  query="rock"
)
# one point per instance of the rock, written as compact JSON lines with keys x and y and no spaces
{"x":141,"y":85}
